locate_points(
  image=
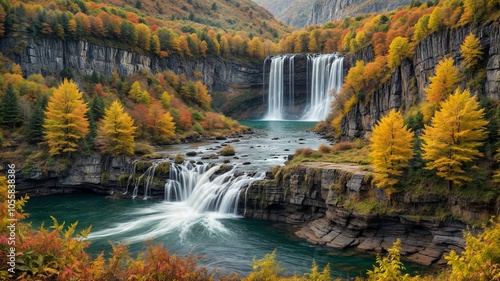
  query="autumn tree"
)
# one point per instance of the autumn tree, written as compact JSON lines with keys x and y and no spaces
{"x":143,"y":36}
{"x":10,"y":110}
{"x":457,"y":131}
{"x":391,"y":149}
{"x":165,"y":128}
{"x":471,"y":51}
{"x":65,"y":123}
{"x":444,"y":82}
{"x":201,"y":95}
{"x":138,"y":95}
{"x":118,"y":129}
{"x":399,"y":49}
{"x":185,"y":121}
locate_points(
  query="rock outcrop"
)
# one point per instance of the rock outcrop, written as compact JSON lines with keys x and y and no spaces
{"x":330,"y":10}
{"x":322,"y":198}
{"x":406,"y":85}
{"x":51,"y":56}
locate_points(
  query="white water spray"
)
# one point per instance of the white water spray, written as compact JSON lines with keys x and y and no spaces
{"x":327,"y":79}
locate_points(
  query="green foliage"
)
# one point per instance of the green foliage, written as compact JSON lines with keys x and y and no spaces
{"x":10,"y":110}
{"x":34,"y":130}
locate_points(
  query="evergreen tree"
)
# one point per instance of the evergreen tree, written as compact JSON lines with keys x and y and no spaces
{"x":457,"y":131}
{"x":35,"y":130}
{"x":97,"y":108}
{"x":65,"y":122}
{"x":10,"y":108}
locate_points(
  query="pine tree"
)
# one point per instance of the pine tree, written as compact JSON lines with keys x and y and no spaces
{"x":35,"y":130}
{"x":65,"y":122}
{"x":118,"y":129}
{"x":471,"y":51}
{"x":457,"y":131}
{"x":10,"y":109}
{"x":97,"y":108}
{"x":391,"y":148}
{"x":444,"y":82}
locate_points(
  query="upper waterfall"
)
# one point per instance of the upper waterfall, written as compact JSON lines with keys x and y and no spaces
{"x":320,"y":76}
{"x":327,"y":78}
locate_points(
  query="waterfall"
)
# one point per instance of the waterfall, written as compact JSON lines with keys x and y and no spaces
{"x":324,"y":74}
{"x":207,"y":189}
{"x":326,"y":78}
{"x":276,"y":89}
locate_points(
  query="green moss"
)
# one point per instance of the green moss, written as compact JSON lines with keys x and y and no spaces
{"x":228,"y":150}
{"x":123,"y":179}
{"x":163,"y":168}
{"x":179,"y":158}
{"x":104,"y":177}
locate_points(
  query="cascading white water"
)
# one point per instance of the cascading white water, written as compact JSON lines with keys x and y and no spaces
{"x":327,"y":76}
{"x":204,"y":192}
{"x":276,"y":94}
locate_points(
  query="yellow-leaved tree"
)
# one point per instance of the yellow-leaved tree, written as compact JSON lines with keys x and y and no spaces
{"x":471,"y":51}
{"x":202,"y":96}
{"x":165,"y":128}
{"x":65,"y":123}
{"x":444,"y":82}
{"x":391,"y":149}
{"x":398,"y":51}
{"x":117,"y":128}
{"x":457,"y":131}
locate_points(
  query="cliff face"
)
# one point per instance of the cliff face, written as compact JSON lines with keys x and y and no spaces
{"x":329,"y":10}
{"x":406,"y":85}
{"x":51,"y":56}
{"x":322,"y":198}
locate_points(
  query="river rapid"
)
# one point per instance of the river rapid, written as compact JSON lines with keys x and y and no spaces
{"x":190,"y":226}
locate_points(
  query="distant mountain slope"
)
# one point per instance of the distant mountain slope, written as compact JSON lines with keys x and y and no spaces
{"x":291,"y":12}
{"x":328,"y":10}
{"x":229,"y":15}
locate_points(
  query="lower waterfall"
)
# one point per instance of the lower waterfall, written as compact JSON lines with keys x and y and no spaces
{"x":194,"y":195}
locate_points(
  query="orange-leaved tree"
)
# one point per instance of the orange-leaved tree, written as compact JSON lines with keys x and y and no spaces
{"x":457,"y":131}
{"x":391,"y":149}
{"x":118,"y":129}
{"x":65,"y":123}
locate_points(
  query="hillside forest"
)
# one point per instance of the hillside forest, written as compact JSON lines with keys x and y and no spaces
{"x":450,"y":139}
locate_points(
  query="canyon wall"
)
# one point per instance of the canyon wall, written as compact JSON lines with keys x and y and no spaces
{"x":406,"y":85}
{"x":51,"y":56}
{"x":331,"y":203}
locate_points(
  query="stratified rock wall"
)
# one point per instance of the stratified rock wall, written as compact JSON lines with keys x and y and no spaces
{"x":51,"y":56}
{"x":320,"y":197}
{"x":407,"y":83}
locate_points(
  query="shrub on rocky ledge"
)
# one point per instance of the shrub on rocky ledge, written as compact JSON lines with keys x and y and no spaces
{"x":227,"y":151}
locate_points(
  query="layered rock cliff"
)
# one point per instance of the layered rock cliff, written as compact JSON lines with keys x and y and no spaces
{"x":407,"y":83}
{"x":327,"y":200}
{"x":51,"y":56}
{"x":329,"y":10}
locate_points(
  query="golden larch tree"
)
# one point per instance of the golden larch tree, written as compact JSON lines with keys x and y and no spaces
{"x":165,"y":127}
{"x":398,"y":51}
{"x":202,"y":96}
{"x":65,"y":123}
{"x":471,"y":51}
{"x":117,"y":128}
{"x":444,"y":82}
{"x":391,"y":149}
{"x":457,"y":131}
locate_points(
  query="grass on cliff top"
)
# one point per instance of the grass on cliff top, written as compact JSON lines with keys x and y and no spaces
{"x":342,"y":152}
